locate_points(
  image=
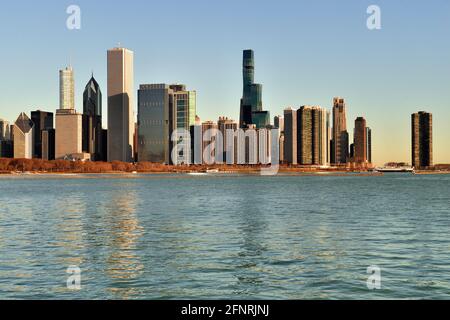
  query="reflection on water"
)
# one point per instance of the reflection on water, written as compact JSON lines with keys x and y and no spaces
{"x":175,"y":236}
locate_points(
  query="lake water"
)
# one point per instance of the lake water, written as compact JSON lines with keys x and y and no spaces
{"x":225,"y":237}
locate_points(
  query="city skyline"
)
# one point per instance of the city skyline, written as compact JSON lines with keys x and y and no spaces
{"x":370,"y":89}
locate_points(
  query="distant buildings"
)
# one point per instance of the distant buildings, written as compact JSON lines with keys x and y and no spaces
{"x":66,"y":89}
{"x":68,"y":140}
{"x":43,"y":121}
{"x":5,"y":133}
{"x":120,"y":105}
{"x":290,"y":136}
{"x":422,"y":139}
{"x":68,"y":123}
{"x":229,"y":149}
{"x":369,"y":144}
{"x":163,"y":108}
{"x":23,"y":137}
{"x":92,"y":136}
{"x":340,"y":138}
{"x":251,"y":103}
{"x":360,"y":141}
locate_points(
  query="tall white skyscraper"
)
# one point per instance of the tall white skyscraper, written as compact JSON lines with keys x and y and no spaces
{"x":120,"y":105}
{"x":66,"y":89}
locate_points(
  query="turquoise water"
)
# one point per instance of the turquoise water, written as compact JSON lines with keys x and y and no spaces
{"x":236,"y":237}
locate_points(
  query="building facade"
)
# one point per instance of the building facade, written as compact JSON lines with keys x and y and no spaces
{"x":313,"y":136}
{"x":42,"y":121}
{"x":120,"y":105}
{"x":23,"y":133}
{"x":92,"y":121}
{"x":251,"y":109}
{"x":66,"y":89}
{"x":360,"y":141}
{"x":68,"y":139}
{"x":290,"y":136}
{"x":163,"y":108}
{"x":340,"y":138}
{"x":422,"y":139}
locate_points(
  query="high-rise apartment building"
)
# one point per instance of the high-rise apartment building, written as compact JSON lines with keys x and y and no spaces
{"x":251,"y":110}
{"x":340,"y":139}
{"x":66,"y":89}
{"x":163,"y":108}
{"x":360,"y":141}
{"x":369,"y":144}
{"x":278,"y":122}
{"x":229,"y":145}
{"x":92,"y":121}
{"x":422,"y":139}
{"x":120,"y":105}
{"x":312,"y":136}
{"x":23,"y":137}
{"x":290,"y":136}
{"x":42,"y":121}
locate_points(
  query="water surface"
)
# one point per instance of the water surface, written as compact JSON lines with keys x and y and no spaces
{"x":236,"y":237}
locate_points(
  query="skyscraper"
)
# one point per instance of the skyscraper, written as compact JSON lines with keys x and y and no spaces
{"x":229,"y":145}
{"x":290,"y":136}
{"x":422,"y":139}
{"x":162,"y":109}
{"x":42,"y":121}
{"x":360,"y":141}
{"x":92,"y":121}
{"x":120,"y":105}
{"x":340,"y":143}
{"x":251,"y":103}
{"x":23,"y":137}
{"x":66,"y":89}
{"x":369,"y":144}
{"x":68,"y":123}
{"x":312,"y":136}
{"x":4,"y":130}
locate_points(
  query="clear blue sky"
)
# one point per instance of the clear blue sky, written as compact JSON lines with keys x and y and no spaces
{"x":306,"y":52}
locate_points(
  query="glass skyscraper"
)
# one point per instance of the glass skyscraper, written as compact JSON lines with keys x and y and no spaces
{"x":92,"y":121}
{"x":251,"y":103}
{"x":162,"y":108}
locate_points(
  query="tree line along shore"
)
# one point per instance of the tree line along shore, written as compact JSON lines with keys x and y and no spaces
{"x":9,"y":166}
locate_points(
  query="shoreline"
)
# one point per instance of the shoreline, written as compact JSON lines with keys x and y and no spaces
{"x":231,"y":172}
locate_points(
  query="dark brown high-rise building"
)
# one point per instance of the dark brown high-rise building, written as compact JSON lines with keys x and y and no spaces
{"x":422,"y":139}
{"x":339,"y":143}
{"x":360,"y":140}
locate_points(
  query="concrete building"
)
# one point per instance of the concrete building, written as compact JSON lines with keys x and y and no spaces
{"x":278,"y":123}
{"x":312,"y":136}
{"x":120,"y":105}
{"x":422,"y":139}
{"x":290,"y":136}
{"x":68,"y":139}
{"x":360,"y":141}
{"x":48,"y":144}
{"x":66,"y":89}
{"x":23,"y":132}
{"x":4,"y":130}
{"x":229,"y":145}
{"x":340,"y":139}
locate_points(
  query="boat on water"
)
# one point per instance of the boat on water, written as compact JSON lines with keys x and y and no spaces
{"x":395,"y":170}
